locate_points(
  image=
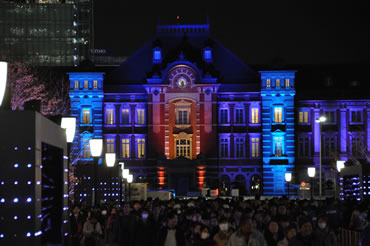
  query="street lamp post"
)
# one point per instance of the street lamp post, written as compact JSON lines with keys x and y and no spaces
{"x":311,"y":173}
{"x":125,"y":174}
{"x":121,"y":166}
{"x":129,"y":181}
{"x":3,"y":79}
{"x":69,"y":124}
{"x":96,"y":147}
{"x":340,"y":166}
{"x":320,"y":120}
{"x":288,"y":178}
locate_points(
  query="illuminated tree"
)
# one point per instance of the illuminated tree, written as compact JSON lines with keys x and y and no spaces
{"x":47,"y":86}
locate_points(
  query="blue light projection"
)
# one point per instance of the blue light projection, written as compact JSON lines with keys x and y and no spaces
{"x":277,"y":94}
{"x":86,"y":96}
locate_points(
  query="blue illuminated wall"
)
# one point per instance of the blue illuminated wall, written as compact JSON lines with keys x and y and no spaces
{"x":86,"y":95}
{"x":277,"y":95}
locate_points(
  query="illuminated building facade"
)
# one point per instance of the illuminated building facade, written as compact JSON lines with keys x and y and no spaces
{"x":183,"y":113}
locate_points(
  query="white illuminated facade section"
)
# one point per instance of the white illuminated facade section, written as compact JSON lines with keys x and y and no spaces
{"x":3,"y":78}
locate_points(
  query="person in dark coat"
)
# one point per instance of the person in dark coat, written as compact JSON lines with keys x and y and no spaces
{"x":76,"y":220}
{"x":306,"y":236}
{"x":171,"y":235}
{"x":112,"y":228}
{"x":145,"y":230}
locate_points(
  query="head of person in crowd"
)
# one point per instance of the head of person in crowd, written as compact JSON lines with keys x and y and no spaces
{"x":206,"y":219}
{"x":126,"y":209}
{"x":266,"y":218}
{"x":273,"y":209}
{"x":144,"y":215}
{"x":113,"y":212}
{"x":236,"y":215}
{"x":204,"y":233}
{"x":282,"y":210}
{"x":291,"y":232}
{"x":273,"y":231}
{"x":284,"y":222}
{"x":104,"y":211}
{"x":224,"y":225}
{"x":247,"y":225}
{"x":136,"y":206}
{"x":322,"y":222}
{"x":171,"y":220}
{"x":197,"y":228}
{"x":76,"y":210}
{"x":305,"y":227}
{"x":227,"y":212}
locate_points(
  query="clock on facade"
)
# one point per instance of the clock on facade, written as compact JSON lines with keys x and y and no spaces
{"x":181,"y":76}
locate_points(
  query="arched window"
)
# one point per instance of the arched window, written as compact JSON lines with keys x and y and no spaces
{"x":255,"y":184}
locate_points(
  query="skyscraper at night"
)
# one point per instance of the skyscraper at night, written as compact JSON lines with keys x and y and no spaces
{"x":46,"y":33}
{"x":183,"y":112}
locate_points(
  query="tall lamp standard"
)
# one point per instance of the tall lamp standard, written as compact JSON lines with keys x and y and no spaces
{"x":96,"y":147}
{"x":311,"y":173}
{"x":69,"y":124}
{"x":120,"y":175}
{"x":320,"y":120}
{"x":340,"y":166}
{"x":125,"y":174}
{"x":129,"y":181}
{"x":288,"y":178}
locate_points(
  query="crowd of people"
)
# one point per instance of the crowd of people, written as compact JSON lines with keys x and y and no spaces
{"x":218,"y":222}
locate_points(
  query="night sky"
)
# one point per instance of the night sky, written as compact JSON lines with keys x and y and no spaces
{"x":291,"y":32}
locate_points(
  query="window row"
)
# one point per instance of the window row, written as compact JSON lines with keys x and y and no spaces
{"x":110,"y":117}
{"x":330,"y":146}
{"x":277,"y":83}
{"x":356,"y":116}
{"x":129,"y":147}
{"x":239,"y":147}
{"x":239,"y":116}
{"x":85,"y":84}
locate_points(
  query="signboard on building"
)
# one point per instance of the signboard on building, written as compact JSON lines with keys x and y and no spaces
{"x":138,"y":191}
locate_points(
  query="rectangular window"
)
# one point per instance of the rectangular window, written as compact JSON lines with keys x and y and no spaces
{"x":126,"y":148}
{"x":278,"y":146}
{"x":268,"y":83}
{"x":255,"y":117}
{"x":278,"y":115}
{"x":125,"y":117}
{"x":207,"y":55}
{"x":86,"y":116}
{"x":183,"y":147}
{"x":76,"y":84}
{"x":287,"y":83}
{"x":330,"y":144}
{"x":157,"y":55}
{"x":86,"y":148}
{"x":86,"y":84}
{"x":224,"y":147}
{"x":140,"y":117}
{"x":140,"y":148}
{"x":224,"y":119}
{"x":109,"y":145}
{"x":239,"y":116}
{"x":239,"y":147}
{"x":109,"y":118}
{"x":356,"y":145}
{"x":255,"y":147}
{"x":277,"y":82}
{"x":303,"y":147}
{"x":356,"y":116}
{"x":182,"y":117}
{"x":95,"y":84}
{"x":330,"y":116}
{"x":303,"y":117}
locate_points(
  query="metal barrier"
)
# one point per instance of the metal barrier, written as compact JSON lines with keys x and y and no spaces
{"x":349,"y":237}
